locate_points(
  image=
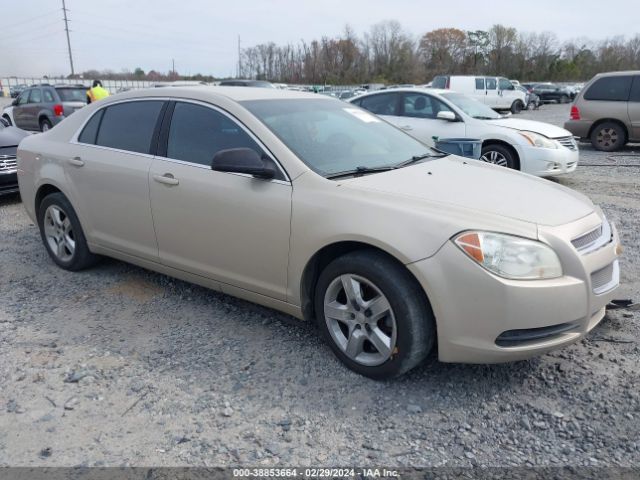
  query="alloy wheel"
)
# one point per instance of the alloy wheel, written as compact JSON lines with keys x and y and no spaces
{"x":495,"y":157}
{"x":360,"y":320}
{"x":607,"y":137}
{"x":59,"y":233}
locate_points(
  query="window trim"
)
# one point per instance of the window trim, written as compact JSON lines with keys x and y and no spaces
{"x":165,"y":124}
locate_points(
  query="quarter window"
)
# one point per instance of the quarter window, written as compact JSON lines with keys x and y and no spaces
{"x":381,"y":104}
{"x":129,"y":126}
{"x":612,"y":89}
{"x":48,"y":97}
{"x":197,"y":133}
{"x":90,"y":130}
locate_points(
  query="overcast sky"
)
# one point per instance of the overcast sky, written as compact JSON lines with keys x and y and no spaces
{"x":202,"y":35}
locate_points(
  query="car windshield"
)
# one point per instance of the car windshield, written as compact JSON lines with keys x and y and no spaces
{"x":72,"y":94}
{"x":471,"y":106}
{"x":331,"y":137}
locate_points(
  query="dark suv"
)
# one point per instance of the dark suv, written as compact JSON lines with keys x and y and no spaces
{"x":42,"y":106}
{"x":549,"y":92}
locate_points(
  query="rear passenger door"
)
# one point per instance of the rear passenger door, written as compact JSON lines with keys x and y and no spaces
{"x":491,"y":97}
{"x":229,"y":227}
{"x":108,"y":174}
{"x":634,"y":108}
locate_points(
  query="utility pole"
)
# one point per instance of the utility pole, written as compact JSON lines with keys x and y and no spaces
{"x":66,"y":29}
{"x":239,"y":59}
{"x":173,"y":67}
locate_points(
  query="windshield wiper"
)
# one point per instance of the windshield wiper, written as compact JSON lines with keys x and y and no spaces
{"x":358,"y":171}
{"x":414,"y":159}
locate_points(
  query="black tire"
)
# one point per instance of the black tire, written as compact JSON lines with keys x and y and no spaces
{"x":608,"y":136}
{"x":495,"y":153}
{"x":8,"y":119}
{"x":45,"y":124}
{"x":81,"y":257}
{"x":414,"y":320}
{"x":516,"y":107}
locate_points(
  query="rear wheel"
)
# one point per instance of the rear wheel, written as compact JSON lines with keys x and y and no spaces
{"x":608,"y":136}
{"x":45,"y":125}
{"x":373,"y":314}
{"x":499,"y":155}
{"x":62,"y":234}
{"x":564,"y":99}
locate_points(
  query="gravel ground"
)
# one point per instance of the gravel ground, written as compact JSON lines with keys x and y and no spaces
{"x":121,"y":366}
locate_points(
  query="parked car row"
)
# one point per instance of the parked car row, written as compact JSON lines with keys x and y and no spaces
{"x":427,"y":114}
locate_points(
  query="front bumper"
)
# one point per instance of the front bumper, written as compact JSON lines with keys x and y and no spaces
{"x":8,"y":183}
{"x":547,"y":162}
{"x":474,"y":308}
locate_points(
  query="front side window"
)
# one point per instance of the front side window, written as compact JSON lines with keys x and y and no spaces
{"x":24,"y":97}
{"x":197,"y":133}
{"x":330,"y":136}
{"x":471,"y":106}
{"x":35,"y":96}
{"x":129,"y":126}
{"x":479,"y":83}
{"x":505,"y":84}
{"x":491,"y":83}
{"x":612,"y":89}
{"x":381,"y":104}
{"x":418,"y":105}
{"x":440,"y":82}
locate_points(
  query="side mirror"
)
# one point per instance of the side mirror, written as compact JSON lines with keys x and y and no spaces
{"x":242,"y":160}
{"x":446,"y":115}
{"x":15,"y":102}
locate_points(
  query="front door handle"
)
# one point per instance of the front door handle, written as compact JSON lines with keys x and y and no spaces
{"x":76,"y":162}
{"x":167,"y":179}
{"x":406,"y":127}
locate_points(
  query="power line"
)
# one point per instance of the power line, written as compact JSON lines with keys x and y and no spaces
{"x":66,"y":29}
{"x":28,"y":20}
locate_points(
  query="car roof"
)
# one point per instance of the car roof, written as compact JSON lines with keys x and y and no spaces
{"x":212,"y":92}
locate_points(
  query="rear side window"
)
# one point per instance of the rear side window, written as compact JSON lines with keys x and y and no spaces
{"x":72,"y":94}
{"x":381,"y":104}
{"x":612,"y":89}
{"x":129,"y":126}
{"x":90,"y":130}
{"x":439,"y":82}
{"x":197,"y":133}
{"x":635,"y":90}
{"x":479,"y":83}
{"x":35,"y":96}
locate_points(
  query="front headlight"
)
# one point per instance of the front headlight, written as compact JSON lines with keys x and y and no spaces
{"x":537,"y":140}
{"x":510,"y":257}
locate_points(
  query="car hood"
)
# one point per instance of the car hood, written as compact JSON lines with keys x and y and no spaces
{"x":542,"y":128}
{"x":477,"y":186}
{"x":11,"y":136}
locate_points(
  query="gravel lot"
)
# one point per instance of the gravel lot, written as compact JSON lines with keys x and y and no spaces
{"x":121,"y":366}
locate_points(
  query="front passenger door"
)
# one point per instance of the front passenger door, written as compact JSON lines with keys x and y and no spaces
{"x":19,"y":110}
{"x":229,"y":227}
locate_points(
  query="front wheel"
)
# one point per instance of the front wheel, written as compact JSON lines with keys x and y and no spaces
{"x":8,"y":120}
{"x":62,"y":234}
{"x":516,"y":107}
{"x":499,"y":155}
{"x":373,"y":314}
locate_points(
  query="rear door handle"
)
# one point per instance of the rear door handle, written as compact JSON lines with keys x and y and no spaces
{"x":406,"y":127}
{"x":167,"y":179}
{"x":76,"y":162}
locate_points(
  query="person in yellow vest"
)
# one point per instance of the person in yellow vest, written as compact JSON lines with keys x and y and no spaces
{"x":96,"y":92}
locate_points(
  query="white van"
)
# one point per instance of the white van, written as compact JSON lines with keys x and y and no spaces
{"x":497,"y":92}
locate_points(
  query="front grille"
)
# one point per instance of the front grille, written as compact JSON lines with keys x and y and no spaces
{"x":602,"y":280}
{"x":514,"y":338}
{"x":568,"y":142}
{"x":8,"y":163}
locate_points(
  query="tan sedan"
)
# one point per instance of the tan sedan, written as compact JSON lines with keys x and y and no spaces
{"x":322,"y":210}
